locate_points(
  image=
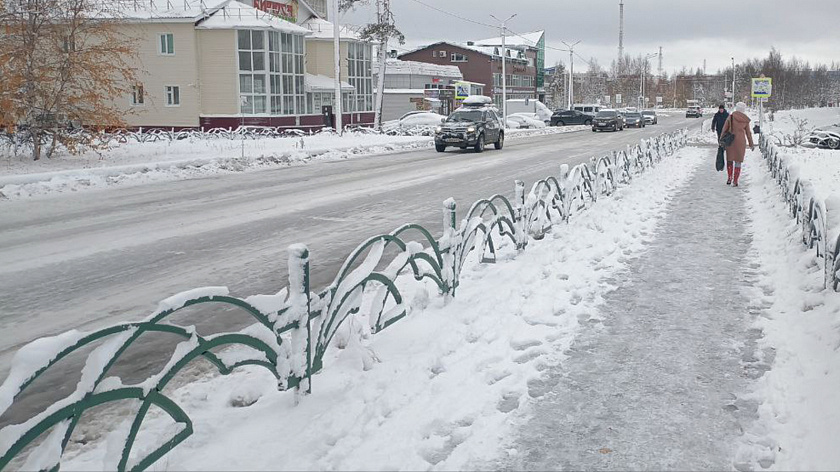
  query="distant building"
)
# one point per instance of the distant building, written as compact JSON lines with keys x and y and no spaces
{"x":411,"y":85}
{"x":480,"y":62}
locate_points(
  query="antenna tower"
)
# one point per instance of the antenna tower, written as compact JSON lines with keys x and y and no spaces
{"x":620,"y":31}
{"x":660,"y":62}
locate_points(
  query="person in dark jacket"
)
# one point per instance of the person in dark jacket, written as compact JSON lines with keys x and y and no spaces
{"x":719,"y":120}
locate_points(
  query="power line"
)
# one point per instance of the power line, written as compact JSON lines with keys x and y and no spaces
{"x":454,"y":15}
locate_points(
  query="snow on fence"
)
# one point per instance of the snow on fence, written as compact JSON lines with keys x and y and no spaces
{"x":818,"y":216}
{"x":294,"y":328}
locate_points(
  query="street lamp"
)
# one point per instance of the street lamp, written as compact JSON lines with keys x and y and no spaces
{"x":571,"y":70}
{"x":733,"y":82}
{"x":504,"y":70}
{"x":642,"y":79}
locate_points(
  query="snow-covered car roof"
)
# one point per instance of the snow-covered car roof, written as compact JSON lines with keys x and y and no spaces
{"x":477,"y":100}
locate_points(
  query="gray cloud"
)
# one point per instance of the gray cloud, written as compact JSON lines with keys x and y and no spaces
{"x":689,"y":31}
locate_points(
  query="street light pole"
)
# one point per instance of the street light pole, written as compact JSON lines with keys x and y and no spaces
{"x":504,"y":68}
{"x":339,"y":125}
{"x":733,"y":82}
{"x":642,"y":78}
{"x":571,"y":71}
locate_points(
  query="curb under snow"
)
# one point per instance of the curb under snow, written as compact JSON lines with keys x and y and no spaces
{"x":20,"y":186}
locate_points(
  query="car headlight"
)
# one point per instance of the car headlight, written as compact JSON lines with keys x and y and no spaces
{"x":471,"y":129}
{"x":439,"y":129}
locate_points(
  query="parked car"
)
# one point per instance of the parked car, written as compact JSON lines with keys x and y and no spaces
{"x":825,"y":138}
{"x":608,"y":120}
{"x":473,"y":125}
{"x":650,"y":117}
{"x":571,"y":117}
{"x":694,"y":112}
{"x":634,"y":119}
{"x":414,"y":123}
{"x":519,"y":106}
{"x":525,"y":121}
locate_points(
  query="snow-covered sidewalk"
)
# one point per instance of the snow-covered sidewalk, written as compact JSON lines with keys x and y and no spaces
{"x":657,"y":383}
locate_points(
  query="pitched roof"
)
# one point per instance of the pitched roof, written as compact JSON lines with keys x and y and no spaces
{"x":179,"y":11}
{"x":237,"y":15}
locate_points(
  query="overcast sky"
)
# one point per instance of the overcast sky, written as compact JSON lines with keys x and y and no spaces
{"x":689,"y":31}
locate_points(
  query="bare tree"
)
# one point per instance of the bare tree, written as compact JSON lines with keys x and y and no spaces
{"x":62,"y":62}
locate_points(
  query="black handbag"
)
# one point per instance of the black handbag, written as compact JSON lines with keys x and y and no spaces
{"x":728,"y":137}
{"x":719,"y":164}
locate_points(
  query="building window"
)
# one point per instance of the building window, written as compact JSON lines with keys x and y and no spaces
{"x":271,"y":75}
{"x":252,"y":77}
{"x":167,"y":44}
{"x":173,"y":96}
{"x":138,"y":95}
{"x":360,"y":76}
{"x":456,"y":57}
{"x":497,"y":80}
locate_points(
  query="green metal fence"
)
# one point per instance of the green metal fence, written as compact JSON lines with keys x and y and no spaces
{"x":294,"y":328}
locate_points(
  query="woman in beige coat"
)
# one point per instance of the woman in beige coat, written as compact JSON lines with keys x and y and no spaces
{"x":739,"y":125}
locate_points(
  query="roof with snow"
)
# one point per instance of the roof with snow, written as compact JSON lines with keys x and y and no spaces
{"x":396,"y":66}
{"x":184,"y":11}
{"x":323,"y":29}
{"x":514,"y":41}
{"x":322,"y":83}
{"x":237,"y":15}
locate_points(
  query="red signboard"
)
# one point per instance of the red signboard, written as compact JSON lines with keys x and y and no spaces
{"x":287,"y":10}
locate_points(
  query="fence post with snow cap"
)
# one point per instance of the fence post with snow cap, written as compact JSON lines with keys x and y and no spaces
{"x":300,"y":306}
{"x":293,"y":328}
{"x":521,"y":220}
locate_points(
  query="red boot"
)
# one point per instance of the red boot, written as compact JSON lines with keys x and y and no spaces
{"x":729,"y":167}
{"x":737,"y":175}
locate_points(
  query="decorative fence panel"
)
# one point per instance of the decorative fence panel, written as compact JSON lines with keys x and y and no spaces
{"x":294,"y":328}
{"x":818,"y":216}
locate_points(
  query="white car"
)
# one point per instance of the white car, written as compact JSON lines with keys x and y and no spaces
{"x":525,"y":121}
{"x":422,"y":122}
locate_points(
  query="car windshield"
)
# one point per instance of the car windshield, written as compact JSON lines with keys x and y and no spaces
{"x":649,"y":113}
{"x":634,"y":115}
{"x":467,"y":115}
{"x":606,"y":114}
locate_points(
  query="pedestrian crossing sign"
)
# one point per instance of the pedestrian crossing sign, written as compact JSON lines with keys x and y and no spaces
{"x":762,"y":87}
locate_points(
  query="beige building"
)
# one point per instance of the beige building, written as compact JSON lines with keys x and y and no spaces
{"x":229,"y":64}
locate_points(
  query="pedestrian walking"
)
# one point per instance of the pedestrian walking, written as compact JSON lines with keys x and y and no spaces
{"x":719,"y":120}
{"x":738,"y":124}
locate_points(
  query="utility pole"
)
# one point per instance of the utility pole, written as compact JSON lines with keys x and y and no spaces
{"x":571,"y":71}
{"x":504,"y":68}
{"x":339,"y":125}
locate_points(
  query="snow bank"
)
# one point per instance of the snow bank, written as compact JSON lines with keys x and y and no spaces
{"x":142,"y":163}
{"x":443,"y":388}
{"x":798,"y":407}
